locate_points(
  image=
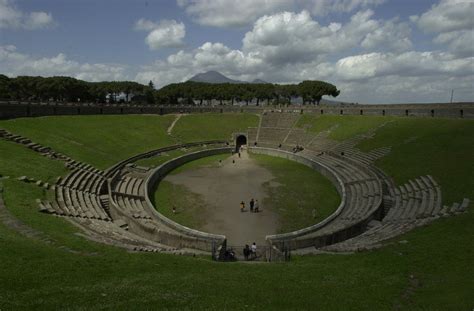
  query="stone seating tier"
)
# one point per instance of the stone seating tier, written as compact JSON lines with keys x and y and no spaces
{"x":272,"y":135}
{"x":279,"y":119}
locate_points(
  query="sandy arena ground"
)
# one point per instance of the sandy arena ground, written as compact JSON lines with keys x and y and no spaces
{"x":223,"y":188}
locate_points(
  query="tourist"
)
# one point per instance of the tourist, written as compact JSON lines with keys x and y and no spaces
{"x":246,"y":251}
{"x":252,"y":202}
{"x":256,"y":206}
{"x":253,"y":249}
{"x":174,"y":209}
{"x":242,"y":206}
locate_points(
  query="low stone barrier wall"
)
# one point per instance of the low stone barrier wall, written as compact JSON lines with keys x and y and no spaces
{"x":111,"y":170}
{"x":197,"y":239}
{"x":280,"y":239}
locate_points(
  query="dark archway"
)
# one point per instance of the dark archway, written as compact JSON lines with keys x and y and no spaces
{"x":240,"y":141}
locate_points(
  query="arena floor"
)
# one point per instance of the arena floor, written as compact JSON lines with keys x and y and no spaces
{"x":223,"y":188}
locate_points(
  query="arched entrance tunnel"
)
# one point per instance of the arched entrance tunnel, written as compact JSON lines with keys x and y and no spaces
{"x":240,"y":140}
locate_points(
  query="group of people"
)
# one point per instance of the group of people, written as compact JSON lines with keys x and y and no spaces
{"x":253,"y":204}
{"x":250,"y":252}
{"x":298,"y":148}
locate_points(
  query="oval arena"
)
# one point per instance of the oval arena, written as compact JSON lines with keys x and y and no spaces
{"x":114,"y":206}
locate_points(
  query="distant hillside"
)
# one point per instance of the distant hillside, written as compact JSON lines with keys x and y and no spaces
{"x":217,"y":77}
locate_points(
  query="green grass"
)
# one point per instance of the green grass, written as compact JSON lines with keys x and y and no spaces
{"x":443,"y":148}
{"x":98,"y":140}
{"x":190,"y":206}
{"x":300,"y":190}
{"x":211,"y":161}
{"x":199,"y":127}
{"x":343,"y":127}
{"x":16,"y":161}
{"x":37,"y":275}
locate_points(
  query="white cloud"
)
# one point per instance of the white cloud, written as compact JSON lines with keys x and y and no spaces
{"x":295,"y":37}
{"x":460,"y":42}
{"x":324,"y":7}
{"x":12,"y":18}
{"x":231,"y":13}
{"x":447,"y":15}
{"x":14,"y":63}
{"x":165,"y":34}
{"x":453,"y":22}
{"x":391,"y":35}
{"x":408,"y":64}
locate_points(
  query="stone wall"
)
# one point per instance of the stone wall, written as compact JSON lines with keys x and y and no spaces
{"x":9,"y":110}
{"x":191,"y":237}
{"x":291,"y":238}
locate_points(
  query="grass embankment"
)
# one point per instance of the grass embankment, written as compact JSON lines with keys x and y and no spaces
{"x":199,"y":127}
{"x":300,"y":190}
{"x":342,"y":127}
{"x":443,"y":148}
{"x":98,"y":140}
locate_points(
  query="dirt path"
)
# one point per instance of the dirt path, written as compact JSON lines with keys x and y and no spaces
{"x":223,"y":188}
{"x":170,"y":128}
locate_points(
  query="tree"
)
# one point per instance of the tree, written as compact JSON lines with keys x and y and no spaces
{"x":313,"y":91}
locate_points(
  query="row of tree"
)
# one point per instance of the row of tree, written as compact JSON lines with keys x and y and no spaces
{"x":309,"y":91}
{"x":72,"y":90}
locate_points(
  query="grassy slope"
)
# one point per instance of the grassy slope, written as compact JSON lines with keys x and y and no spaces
{"x":344,"y":126}
{"x":443,"y":148}
{"x":98,"y":140}
{"x":196,"y":127}
{"x":301,"y":190}
{"x":16,"y":161}
{"x":38,"y":275}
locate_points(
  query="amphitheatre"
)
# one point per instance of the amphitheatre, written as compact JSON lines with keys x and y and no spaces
{"x":376,"y":197}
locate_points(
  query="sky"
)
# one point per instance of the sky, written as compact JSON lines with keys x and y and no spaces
{"x":374,"y":51}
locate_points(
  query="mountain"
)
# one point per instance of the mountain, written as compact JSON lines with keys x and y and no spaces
{"x":217,"y":77}
{"x":259,"y":81}
{"x":212,"y":77}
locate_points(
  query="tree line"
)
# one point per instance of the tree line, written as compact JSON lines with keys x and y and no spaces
{"x":67,"y":89}
{"x":310,"y":91}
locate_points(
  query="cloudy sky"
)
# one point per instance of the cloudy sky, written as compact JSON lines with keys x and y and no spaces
{"x":375,"y":51}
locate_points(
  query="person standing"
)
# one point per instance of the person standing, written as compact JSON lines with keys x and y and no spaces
{"x":252,"y":202}
{"x":256,"y":207}
{"x":246,"y":251}
{"x":242,"y":206}
{"x":253,"y":250}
